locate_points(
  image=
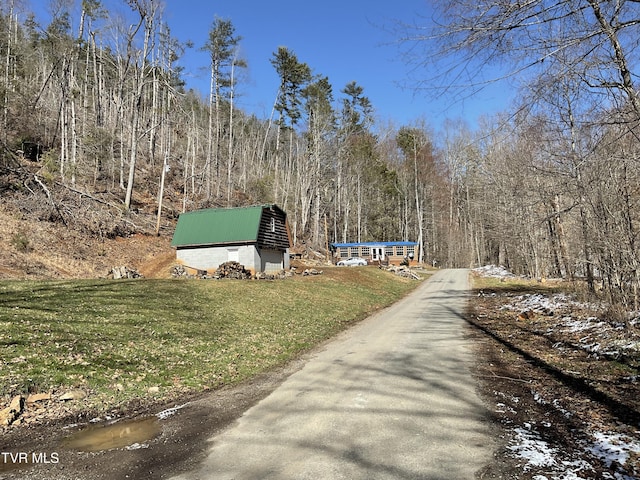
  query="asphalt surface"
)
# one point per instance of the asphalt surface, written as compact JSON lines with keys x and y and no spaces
{"x":392,"y":398}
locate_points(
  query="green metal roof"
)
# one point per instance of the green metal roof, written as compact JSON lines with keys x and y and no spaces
{"x":218,"y":225}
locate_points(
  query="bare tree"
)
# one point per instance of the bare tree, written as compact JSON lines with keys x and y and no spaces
{"x":147,"y":11}
{"x":599,"y":38}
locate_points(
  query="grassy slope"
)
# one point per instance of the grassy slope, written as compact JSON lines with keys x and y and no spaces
{"x":117,"y":339}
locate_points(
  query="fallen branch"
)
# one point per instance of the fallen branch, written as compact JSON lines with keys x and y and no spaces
{"x":50,"y":197}
{"x":85,"y":194}
{"x":493,"y":375}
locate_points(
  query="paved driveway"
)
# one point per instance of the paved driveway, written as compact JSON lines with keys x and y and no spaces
{"x":392,"y":398}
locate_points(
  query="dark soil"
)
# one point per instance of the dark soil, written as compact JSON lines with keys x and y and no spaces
{"x":538,"y":378}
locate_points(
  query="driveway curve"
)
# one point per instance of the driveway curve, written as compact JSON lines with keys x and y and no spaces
{"x":391,"y":398}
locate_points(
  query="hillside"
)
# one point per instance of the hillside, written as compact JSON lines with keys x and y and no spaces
{"x":50,"y":231}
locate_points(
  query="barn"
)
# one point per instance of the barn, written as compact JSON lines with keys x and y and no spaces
{"x":257,"y":237}
{"x":377,"y":252}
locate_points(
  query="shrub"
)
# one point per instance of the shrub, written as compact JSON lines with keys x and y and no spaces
{"x":21,"y":242}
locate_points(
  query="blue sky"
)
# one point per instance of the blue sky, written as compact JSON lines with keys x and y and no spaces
{"x":345,"y":40}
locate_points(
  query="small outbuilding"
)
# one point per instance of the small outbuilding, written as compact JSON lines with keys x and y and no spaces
{"x":393,"y":253}
{"x":257,"y":237}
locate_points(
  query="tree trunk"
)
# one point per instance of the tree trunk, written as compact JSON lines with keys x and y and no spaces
{"x":137,"y":103}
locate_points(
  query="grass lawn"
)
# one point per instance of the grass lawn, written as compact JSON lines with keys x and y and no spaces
{"x":517,"y":285}
{"x":116,"y":339}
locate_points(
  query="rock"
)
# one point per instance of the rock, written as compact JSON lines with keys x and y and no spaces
{"x":311,"y":271}
{"x":13,"y":411}
{"x":38,"y":397}
{"x":75,"y":394}
{"x":401,"y":270}
{"x":154,"y":390}
{"x":178,"y":271}
{"x":125,"y":272}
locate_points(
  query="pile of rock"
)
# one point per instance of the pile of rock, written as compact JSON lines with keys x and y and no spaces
{"x":178,"y":271}
{"x":402,"y":271}
{"x":124,"y":272}
{"x":281,"y":275}
{"x":311,"y":271}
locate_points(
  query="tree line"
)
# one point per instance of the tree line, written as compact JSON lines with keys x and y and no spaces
{"x":548,"y":188}
{"x":551,"y":186}
{"x":109,"y":111}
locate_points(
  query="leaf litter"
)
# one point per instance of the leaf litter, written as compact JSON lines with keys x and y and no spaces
{"x":562,"y":378}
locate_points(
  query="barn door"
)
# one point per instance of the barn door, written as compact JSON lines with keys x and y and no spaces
{"x":233,"y":255}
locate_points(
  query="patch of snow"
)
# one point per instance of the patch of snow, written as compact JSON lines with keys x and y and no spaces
{"x":502,"y":408}
{"x":555,"y":403}
{"x":529,"y":446}
{"x":626,"y":345}
{"x":561,"y":409}
{"x":573,"y":325}
{"x":170,"y":411}
{"x":613,"y":348}
{"x":511,"y":398}
{"x":137,"y":446}
{"x":613,"y":447}
{"x":571,"y":469}
{"x":541,"y":303}
{"x":493,"y":271}
{"x":538,"y":398}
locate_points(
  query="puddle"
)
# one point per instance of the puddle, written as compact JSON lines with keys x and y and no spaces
{"x":121,"y":434}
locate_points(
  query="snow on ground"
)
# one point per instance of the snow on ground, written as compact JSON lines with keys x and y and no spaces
{"x":613,"y":447}
{"x":493,"y":271}
{"x":163,"y":415}
{"x":560,"y":314}
{"x":596,"y":336}
{"x":529,"y":446}
{"x":549,"y":463}
{"x":542,"y":303}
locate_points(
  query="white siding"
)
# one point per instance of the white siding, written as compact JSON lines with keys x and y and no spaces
{"x":233,"y":255}
{"x":210,"y":258}
{"x":271,"y":260}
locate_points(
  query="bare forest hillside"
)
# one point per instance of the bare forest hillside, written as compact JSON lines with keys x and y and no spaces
{"x":102,"y":144}
{"x":98,"y":130}
{"x":48,"y":231}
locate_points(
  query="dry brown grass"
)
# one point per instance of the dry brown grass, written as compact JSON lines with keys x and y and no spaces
{"x":57,"y":252}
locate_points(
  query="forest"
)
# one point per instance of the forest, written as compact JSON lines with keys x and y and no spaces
{"x":548,"y":189}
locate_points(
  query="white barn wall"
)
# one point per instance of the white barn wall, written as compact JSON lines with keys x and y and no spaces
{"x":272,"y":260}
{"x":210,"y":258}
